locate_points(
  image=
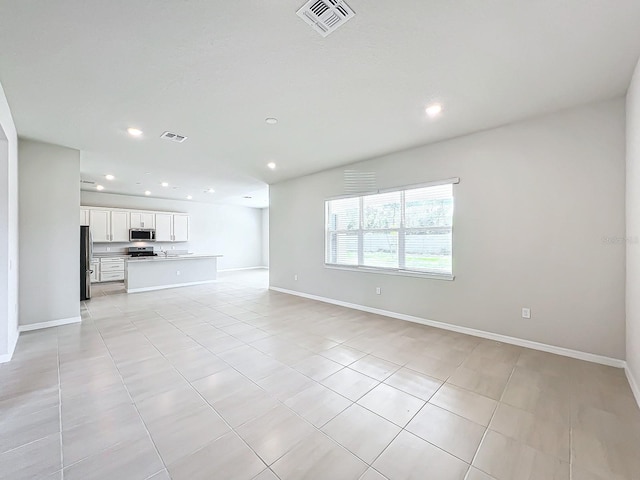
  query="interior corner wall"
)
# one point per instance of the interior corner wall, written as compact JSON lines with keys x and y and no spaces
{"x":49,"y":181}
{"x":539,"y":222}
{"x":235,"y":232}
{"x":265,"y":237}
{"x":633,"y":231}
{"x":8,"y":231}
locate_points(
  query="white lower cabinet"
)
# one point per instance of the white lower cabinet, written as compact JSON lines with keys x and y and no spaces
{"x":111,"y":269}
{"x":95,"y":271}
{"x":111,"y":276}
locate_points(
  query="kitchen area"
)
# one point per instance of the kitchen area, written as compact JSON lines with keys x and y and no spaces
{"x":139,"y":249}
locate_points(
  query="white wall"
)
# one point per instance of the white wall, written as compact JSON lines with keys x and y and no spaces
{"x":633,"y":231}
{"x":539,"y":222}
{"x":49,"y":177}
{"x":265,"y":237}
{"x":232,"y":231}
{"x":8,"y":231}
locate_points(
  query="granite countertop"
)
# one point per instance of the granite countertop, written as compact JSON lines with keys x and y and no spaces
{"x":162,"y":258}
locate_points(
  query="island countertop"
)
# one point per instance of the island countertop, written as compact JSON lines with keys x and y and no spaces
{"x":169,"y":258}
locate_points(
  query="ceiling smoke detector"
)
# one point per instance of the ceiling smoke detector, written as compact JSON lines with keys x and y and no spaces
{"x":326,"y":16}
{"x":174,"y":137}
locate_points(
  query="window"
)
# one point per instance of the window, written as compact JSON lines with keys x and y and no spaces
{"x":402,"y":230}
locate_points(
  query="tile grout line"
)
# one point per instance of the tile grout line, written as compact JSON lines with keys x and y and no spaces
{"x":403,"y":429}
{"x":60,"y":349}
{"x":204,"y":399}
{"x":513,"y":369}
{"x":318,"y":429}
{"x":60,"y":403}
{"x":571,"y":402}
{"x":130,"y":397}
{"x":400,"y":366}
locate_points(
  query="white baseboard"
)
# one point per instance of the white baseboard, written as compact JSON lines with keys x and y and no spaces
{"x":12,"y":348}
{"x":163,"y":287}
{"x":635,"y":386}
{"x":566,"y":352}
{"x":259,"y":267}
{"x":52,"y":323}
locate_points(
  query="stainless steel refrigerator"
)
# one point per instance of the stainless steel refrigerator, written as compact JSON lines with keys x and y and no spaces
{"x":86,"y":253}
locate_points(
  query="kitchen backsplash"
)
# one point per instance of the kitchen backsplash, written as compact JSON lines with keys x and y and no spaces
{"x":121,"y":248}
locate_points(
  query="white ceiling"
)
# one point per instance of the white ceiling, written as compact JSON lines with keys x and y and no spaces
{"x":79,"y":72}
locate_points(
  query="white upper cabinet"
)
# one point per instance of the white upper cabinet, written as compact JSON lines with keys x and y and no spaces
{"x":100,"y":223}
{"x":84,"y":216}
{"x":119,"y":226}
{"x":180,"y":228}
{"x":114,"y":225}
{"x":172,"y":227}
{"x":143,"y":220}
{"x":164,"y":227}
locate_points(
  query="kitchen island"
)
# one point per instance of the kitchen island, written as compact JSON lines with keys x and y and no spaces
{"x":144,"y":274}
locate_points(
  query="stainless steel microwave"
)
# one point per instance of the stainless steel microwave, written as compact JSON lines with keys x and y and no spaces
{"x":142,"y":235}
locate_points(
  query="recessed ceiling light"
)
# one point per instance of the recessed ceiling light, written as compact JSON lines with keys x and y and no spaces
{"x":147,"y":173}
{"x":271,"y":121}
{"x":189,"y":197}
{"x":164,"y":184}
{"x":271,"y":165}
{"x":211,"y":190}
{"x":147,"y":193}
{"x":99,"y":187}
{"x":109,"y":177}
{"x":134,"y":132}
{"x":434,"y":110}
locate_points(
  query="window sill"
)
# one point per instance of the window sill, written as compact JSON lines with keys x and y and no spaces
{"x":401,"y":273}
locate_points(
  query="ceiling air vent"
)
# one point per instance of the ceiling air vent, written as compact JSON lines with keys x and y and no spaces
{"x":87,"y":182}
{"x":174,"y":137}
{"x":326,"y":16}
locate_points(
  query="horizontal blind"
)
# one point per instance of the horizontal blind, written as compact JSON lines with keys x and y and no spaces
{"x":408,"y":230}
{"x":428,"y":224}
{"x":343,"y":214}
{"x":429,"y":207}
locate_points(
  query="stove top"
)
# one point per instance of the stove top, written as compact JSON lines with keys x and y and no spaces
{"x":142,"y":252}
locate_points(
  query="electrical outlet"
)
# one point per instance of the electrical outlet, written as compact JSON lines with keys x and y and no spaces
{"x":295,"y":277}
{"x":526,"y":312}
{"x":378,"y":290}
{"x":108,"y":249}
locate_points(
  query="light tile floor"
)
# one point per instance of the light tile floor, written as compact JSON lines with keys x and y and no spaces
{"x":231,"y":381}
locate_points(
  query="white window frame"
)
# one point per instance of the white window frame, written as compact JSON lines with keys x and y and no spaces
{"x":402,"y":230}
